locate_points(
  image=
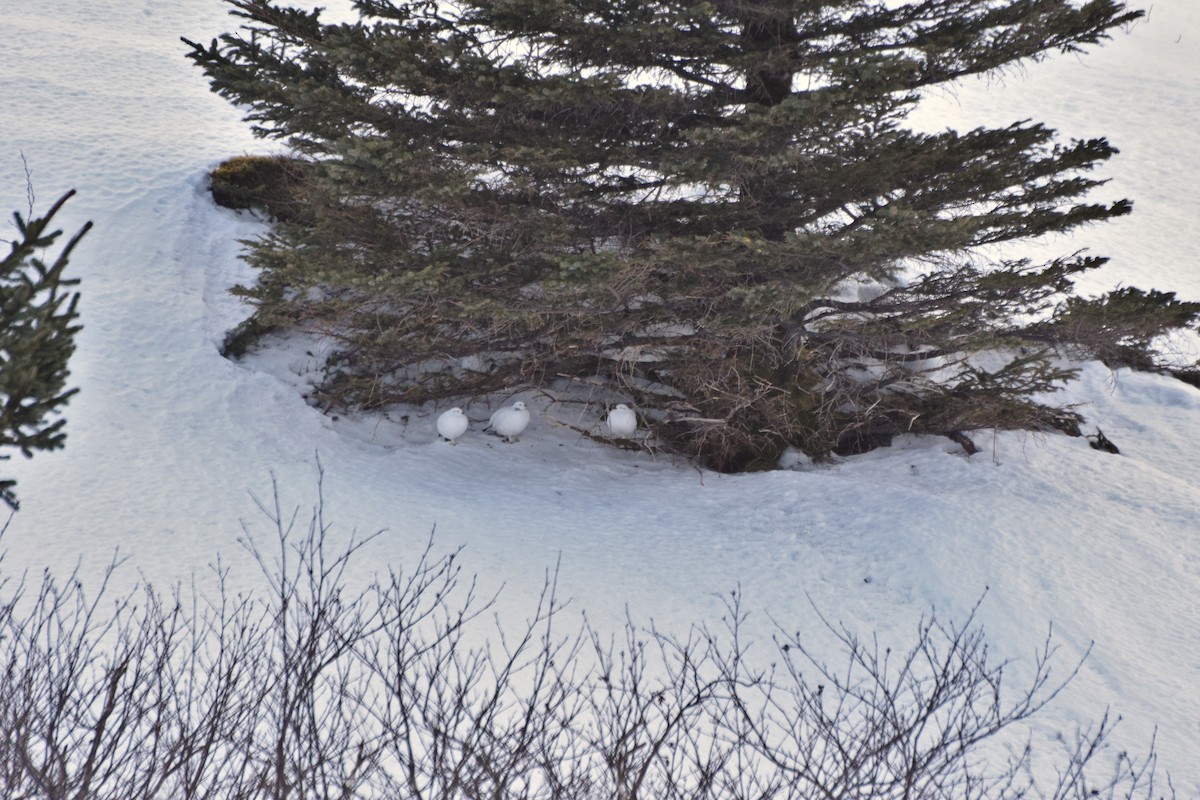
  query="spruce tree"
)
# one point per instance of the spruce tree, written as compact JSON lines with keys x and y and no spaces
{"x":712,"y":209}
{"x":37,"y":337}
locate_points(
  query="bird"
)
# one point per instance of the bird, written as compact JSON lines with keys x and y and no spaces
{"x":510,"y":421}
{"x":452,"y":424}
{"x":622,"y":422}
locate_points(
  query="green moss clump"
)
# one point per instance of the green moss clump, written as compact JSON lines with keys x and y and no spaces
{"x":274,"y":185}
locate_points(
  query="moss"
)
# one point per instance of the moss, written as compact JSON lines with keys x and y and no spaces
{"x":271,"y":184}
{"x":244,"y":336}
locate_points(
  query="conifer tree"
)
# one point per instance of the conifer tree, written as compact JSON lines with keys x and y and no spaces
{"x":37,"y":337}
{"x":713,"y":209}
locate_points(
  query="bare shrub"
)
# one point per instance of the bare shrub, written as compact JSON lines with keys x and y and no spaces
{"x":414,"y":687}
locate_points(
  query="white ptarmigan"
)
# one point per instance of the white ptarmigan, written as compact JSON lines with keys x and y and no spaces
{"x":510,"y":421}
{"x":622,"y":422}
{"x":452,"y":424}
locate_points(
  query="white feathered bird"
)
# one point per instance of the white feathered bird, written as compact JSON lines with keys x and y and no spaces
{"x":510,"y":421}
{"x":452,"y":424}
{"x":622,"y":422}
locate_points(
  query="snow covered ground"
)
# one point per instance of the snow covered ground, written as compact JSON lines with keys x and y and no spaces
{"x":167,"y":438}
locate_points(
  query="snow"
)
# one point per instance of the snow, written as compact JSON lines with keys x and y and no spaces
{"x":167,"y":438}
